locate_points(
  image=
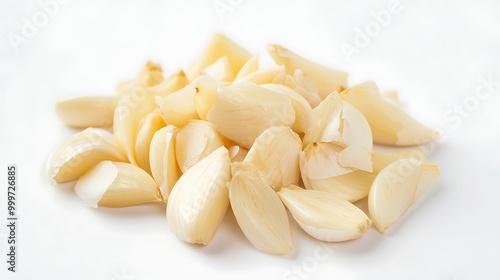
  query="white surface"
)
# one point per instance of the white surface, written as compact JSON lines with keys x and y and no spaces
{"x":432,"y":52}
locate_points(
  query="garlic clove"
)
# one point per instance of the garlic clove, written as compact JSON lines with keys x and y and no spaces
{"x":163,"y":162}
{"x":429,"y":174}
{"x":390,"y":125}
{"x":392,"y":96}
{"x":220,"y":70}
{"x":351,"y":186}
{"x":393,"y":191}
{"x":302,"y":108}
{"x":219,"y":46}
{"x":116,"y":184}
{"x":275,"y":154}
{"x":320,"y":160}
{"x":251,"y":66}
{"x":178,"y":107}
{"x":263,"y":76}
{"x":356,"y":185}
{"x":205,"y":92}
{"x":150,"y":75}
{"x":80,"y":152}
{"x":237,"y":153}
{"x":252,"y":108}
{"x":149,"y":124}
{"x":381,"y":160}
{"x":199,"y":199}
{"x":323,"y":215}
{"x":196,"y":140}
{"x":173,"y":83}
{"x":258,"y":210}
{"x":305,"y":86}
{"x":337,"y":121}
{"x":326,"y":79}
{"x":87,"y":111}
{"x":132,"y":106}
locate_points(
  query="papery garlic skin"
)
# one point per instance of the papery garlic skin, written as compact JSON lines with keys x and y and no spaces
{"x":336,"y":121}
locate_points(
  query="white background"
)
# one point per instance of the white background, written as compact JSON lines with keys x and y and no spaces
{"x":433,"y":52}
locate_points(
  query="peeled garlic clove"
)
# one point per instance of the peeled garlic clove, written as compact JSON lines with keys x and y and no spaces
{"x":175,"y":82}
{"x":381,"y":160}
{"x":218,"y":47}
{"x":351,"y":186}
{"x":263,"y":76}
{"x":163,"y":161}
{"x":324,"y":216}
{"x":86,"y":111}
{"x":149,"y":76}
{"x":220,"y":70}
{"x":356,"y":185}
{"x":178,"y":107}
{"x":320,"y":161}
{"x":196,"y":140}
{"x":80,"y":152}
{"x":390,"y":125}
{"x":303,"y":111}
{"x":130,"y":109}
{"x":237,"y":153}
{"x":206,"y":90}
{"x":252,"y":108}
{"x":258,"y":210}
{"x":393,"y":192}
{"x":275,"y":154}
{"x":326,"y":79}
{"x":151,"y":123}
{"x":391,"y":96}
{"x":116,"y":184}
{"x":429,"y":173}
{"x":199,"y":199}
{"x":252,"y":65}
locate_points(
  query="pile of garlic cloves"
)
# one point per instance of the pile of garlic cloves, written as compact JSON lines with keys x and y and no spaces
{"x":294,"y":137}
